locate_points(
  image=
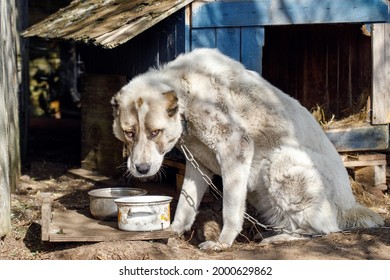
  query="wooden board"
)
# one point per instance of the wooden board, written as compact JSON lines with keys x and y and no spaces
{"x":373,"y":159}
{"x":79,"y":226}
{"x":243,"y":44}
{"x":282,"y":12}
{"x":93,"y":177}
{"x":9,"y":113}
{"x":368,"y":138}
{"x":381,"y":74}
{"x":369,"y":170}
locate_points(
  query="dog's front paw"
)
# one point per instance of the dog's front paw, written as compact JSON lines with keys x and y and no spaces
{"x":213,"y":246}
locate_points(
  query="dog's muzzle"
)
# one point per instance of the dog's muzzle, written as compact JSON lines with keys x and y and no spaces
{"x":143,"y":168}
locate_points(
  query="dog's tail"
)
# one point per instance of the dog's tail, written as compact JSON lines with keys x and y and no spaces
{"x":359,"y":216}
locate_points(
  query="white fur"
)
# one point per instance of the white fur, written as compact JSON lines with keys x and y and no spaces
{"x":268,"y":149}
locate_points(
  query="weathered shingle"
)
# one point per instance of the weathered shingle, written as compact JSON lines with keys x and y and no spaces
{"x":108,"y":23}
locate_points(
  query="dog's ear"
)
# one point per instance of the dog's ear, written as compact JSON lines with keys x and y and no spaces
{"x":115,"y":104}
{"x":172,"y":99}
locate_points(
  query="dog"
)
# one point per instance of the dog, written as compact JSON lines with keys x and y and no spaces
{"x":267,"y":148}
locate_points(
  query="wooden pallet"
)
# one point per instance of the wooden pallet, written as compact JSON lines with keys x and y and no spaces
{"x":369,"y":169}
{"x":78,"y":226}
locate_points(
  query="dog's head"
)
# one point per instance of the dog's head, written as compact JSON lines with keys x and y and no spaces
{"x":147,"y":120}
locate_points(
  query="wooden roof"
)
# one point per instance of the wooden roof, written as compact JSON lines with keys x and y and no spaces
{"x":107,"y":23}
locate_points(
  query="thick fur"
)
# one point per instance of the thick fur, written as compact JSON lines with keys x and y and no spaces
{"x":268,"y":149}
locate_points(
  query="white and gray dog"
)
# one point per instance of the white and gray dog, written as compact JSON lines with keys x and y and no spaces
{"x":267,"y":148}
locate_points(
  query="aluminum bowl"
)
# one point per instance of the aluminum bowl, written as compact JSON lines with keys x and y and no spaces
{"x":101,"y":201}
{"x":144,"y":213}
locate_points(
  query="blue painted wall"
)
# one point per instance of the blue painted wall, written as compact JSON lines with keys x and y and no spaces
{"x":241,"y":43}
{"x":237,"y":27}
{"x":281,"y":12}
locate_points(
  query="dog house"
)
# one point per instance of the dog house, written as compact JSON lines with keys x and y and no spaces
{"x":331,"y":55}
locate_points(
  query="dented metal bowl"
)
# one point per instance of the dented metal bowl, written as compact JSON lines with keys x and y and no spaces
{"x":101,"y":201}
{"x":144,"y":213}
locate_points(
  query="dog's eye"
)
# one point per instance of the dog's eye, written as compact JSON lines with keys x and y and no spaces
{"x":155,"y":132}
{"x":129,"y":133}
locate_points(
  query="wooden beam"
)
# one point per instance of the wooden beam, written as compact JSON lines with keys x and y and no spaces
{"x":45,"y":216}
{"x":9,"y":118}
{"x":367,"y":138}
{"x":187,"y":28}
{"x":381,"y":74}
{"x":278,"y":12}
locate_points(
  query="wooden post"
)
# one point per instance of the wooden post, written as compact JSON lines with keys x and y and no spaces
{"x":9,"y":126}
{"x":24,"y":77}
{"x":381,"y":73}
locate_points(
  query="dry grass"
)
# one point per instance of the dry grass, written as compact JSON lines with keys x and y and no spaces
{"x":359,"y":119}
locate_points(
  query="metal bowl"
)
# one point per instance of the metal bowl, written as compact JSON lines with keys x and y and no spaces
{"x":101,"y":201}
{"x":144,"y":213}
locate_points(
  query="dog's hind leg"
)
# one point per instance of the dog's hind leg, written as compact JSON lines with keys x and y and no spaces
{"x":191,"y":195}
{"x":302,"y":198}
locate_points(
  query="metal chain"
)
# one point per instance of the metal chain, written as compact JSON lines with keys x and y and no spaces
{"x":189,"y":156}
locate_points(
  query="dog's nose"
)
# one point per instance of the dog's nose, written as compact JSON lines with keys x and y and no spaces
{"x":143,"y":168}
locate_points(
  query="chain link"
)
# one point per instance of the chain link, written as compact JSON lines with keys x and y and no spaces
{"x":189,"y":156}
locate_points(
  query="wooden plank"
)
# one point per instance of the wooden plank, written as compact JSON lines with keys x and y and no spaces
{"x":228,"y":42}
{"x":363,"y":157}
{"x":187,"y":28}
{"x":252,"y":41}
{"x":367,"y":138}
{"x":45,"y":217}
{"x":381,"y":74}
{"x":372,"y":159}
{"x":365,"y":163}
{"x":278,"y":12}
{"x":9,"y":118}
{"x":243,"y":44}
{"x":79,"y":226}
{"x":203,"y":38}
{"x":93,"y":177}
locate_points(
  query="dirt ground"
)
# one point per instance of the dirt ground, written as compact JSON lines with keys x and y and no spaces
{"x":47,"y":173}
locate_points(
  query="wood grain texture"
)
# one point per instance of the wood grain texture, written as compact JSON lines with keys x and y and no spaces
{"x":367,"y":138}
{"x":381,"y":74}
{"x":9,"y":118}
{"x":106,"y":23}
{"x":281,"y":12}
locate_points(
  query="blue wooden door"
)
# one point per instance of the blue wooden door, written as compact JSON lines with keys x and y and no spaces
{"x":241,"y":43}
{"x":209,"y":28}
